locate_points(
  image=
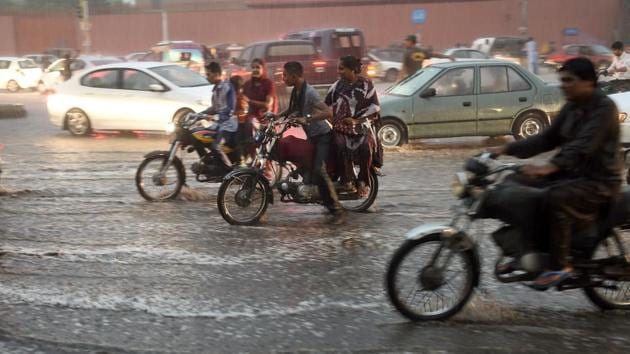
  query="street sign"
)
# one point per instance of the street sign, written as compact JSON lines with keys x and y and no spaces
{"x":419,"y":16}
{"x":571,"y":31}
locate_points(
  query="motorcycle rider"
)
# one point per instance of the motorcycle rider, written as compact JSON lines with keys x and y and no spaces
{"x":223,"y":103}
{"x":307,"y":108}
{"x":586,"y":172}
{"x":620,"y":67}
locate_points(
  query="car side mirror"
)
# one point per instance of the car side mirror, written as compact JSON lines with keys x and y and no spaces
{"x":430,"y":92}
{"x":157,"y":88}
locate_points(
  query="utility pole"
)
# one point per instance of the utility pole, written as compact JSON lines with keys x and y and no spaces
{"x":164,"y":25}
{"x":524,"y":28}
{"x":83,"y":12}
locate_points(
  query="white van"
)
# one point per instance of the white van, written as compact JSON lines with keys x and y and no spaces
{"x":505,"y":48}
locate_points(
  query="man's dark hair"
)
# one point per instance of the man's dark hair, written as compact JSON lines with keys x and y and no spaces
{"x":580,"y":67}
{"x":351,"y":62}
{"x":412,"y":38}
{"x":213,"y":67}
{"x":294,"y":68}
{"x":258,"y":61}
{"x":617,"y":45}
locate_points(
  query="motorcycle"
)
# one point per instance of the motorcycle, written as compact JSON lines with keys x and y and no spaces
{"x":431,"y":276}
{"x":164,"y":170}
{"x":281,"y":163}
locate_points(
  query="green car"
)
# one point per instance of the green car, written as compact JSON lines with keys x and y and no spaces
{"x":468,"y":98}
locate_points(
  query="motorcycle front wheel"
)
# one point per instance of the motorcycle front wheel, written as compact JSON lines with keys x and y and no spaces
{"x":157,"y":182}
{"x":243,"y":199}
{"x":422,"y":289}
{"x":616,"y":293}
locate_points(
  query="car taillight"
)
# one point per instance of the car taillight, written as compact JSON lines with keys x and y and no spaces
{"x":319,"y":63}
{"x":371,"y":70}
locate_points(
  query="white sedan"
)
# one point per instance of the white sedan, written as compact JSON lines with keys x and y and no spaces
{"x":127,"y":96}
{"x":622,"y":100}
{"x":17,"y":73}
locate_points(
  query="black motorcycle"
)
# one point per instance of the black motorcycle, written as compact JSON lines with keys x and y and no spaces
{"x":161,"y":175}
{"x":432,"y":275}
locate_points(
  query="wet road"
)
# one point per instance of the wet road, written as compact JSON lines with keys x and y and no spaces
{"x":88,"y":266}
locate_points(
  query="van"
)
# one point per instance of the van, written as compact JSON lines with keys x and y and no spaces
{"x":334,"y":43}
{"x":505,"y":48}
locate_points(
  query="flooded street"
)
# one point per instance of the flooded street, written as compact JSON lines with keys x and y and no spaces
{"x":87,"y":265}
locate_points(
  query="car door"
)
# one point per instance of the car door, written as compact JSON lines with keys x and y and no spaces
{"x":452,"y":111}
{"x":145,"y":109}
{"x":101,"y":99}
{"x":503,"y":92}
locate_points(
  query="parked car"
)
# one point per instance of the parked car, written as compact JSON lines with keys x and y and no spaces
{"x":468,"y":98}
{"x":18,"y":73}
{"x":600,"y":55}
{"x":43,"y":60}
{"x":127,"y":96}
{"x":504,"y":48}
{"x":52,"y":74}
{"x":171,"y":52}
{"x":334,"y":43}
{"x":387,"y":63}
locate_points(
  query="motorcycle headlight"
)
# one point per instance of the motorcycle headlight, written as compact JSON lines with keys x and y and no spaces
{"x":170,"y":128}
{"x":458,"y":186}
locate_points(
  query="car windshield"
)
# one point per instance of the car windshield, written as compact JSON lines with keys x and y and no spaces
{"x":27,"y":64}
{"x":180,"y":76}
{"x":413,"y":83}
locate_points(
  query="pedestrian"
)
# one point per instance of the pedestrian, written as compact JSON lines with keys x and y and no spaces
{"x":620,"y":67}
{"x":531,"y":48}
{"x":414,"y":57}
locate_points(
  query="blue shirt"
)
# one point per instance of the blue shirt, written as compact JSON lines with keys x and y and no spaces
{"x":223,"y":103}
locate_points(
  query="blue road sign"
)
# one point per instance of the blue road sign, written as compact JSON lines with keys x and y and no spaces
{"x":571,"y":31}
{"x":419,"y":16}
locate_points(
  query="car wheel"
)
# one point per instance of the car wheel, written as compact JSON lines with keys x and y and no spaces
{"x":77,"y":122}
{"x":527,"y":125}
{"x":391,"y":75}
{"x":181,"y":114}
{"x":391,"y":133}
{"x":13,"y":86}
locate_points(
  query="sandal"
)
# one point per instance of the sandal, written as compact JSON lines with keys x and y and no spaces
{"x":550,"y":279}
{"x":507,"y":267}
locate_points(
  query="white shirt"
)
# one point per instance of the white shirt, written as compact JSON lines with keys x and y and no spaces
{"x":622,"y":61}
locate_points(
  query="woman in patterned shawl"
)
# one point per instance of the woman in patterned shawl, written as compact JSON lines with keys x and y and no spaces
{"x":355,"y":106}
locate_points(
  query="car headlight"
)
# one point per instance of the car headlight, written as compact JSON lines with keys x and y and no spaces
{"x":459,"y":184}
{"x":622,"y":117}
{"x":170,"y":128}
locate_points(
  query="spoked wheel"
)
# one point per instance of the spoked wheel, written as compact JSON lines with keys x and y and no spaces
{"x":243,"y":199}
{"x":360,"y":202}
{"x":157,"y":182}
{"x":421,"y":289}
{"x":616,"y":293}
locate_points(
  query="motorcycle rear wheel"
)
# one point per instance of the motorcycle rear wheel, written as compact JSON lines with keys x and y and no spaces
{"x":609,"y":299}
{"x":168,"y":185}
{"x":362,"y":204}
{"x":425,"y":283}
{"x":243,"y":199}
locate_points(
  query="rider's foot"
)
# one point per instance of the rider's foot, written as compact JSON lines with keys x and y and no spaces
{"x":362,"y":189}
{"x":348,"y":187}
{"x":338,"y":217}
{"x":507,"y":267}
{"x":552,"y":278}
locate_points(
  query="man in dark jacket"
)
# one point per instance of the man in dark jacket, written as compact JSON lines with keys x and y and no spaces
{"x":585,"y":173}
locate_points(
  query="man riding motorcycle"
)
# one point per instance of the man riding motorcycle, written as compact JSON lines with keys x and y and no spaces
{"x":223,"y":103}
{"x":308,"y":109}
{"x":585,"y":175}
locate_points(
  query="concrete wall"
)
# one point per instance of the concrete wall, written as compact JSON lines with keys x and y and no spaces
{"x":447,"y":24}
{"x":7,"y":36}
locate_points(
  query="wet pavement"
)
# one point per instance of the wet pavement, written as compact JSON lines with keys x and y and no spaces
{"x":87,"y":265}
